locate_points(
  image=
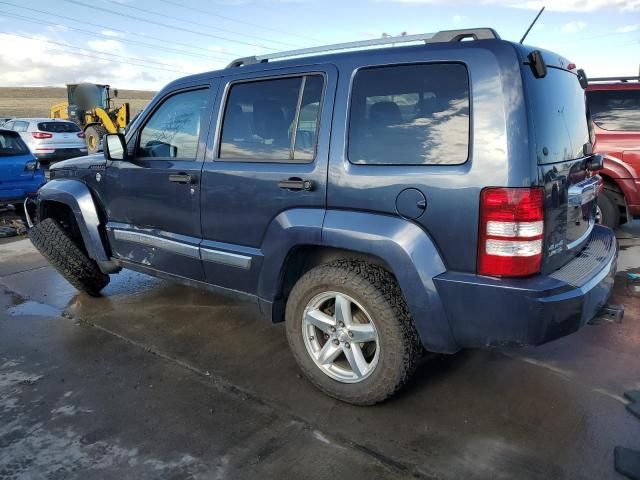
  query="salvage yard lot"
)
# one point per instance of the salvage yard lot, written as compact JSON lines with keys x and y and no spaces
{"x":37,"y":101}
{"x":158,"y":380}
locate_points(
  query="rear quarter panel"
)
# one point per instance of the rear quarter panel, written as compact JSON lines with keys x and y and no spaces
{"x":498,"y":133}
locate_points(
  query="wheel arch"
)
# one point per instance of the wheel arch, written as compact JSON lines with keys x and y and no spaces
{"x":64,"y":195}
{"x":307,"y":238}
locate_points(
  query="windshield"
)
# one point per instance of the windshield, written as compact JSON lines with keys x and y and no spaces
{"x":559,"y":115}
{"x":11,"y":145}
{"x":617,"y":110}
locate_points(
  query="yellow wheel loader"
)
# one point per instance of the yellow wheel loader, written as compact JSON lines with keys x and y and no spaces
{"x":91,"y":107}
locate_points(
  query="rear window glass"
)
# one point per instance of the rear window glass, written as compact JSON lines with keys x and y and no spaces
{"x":410,"y":115}
{"x":615,"y":109}
{"x":58,"y":127}
{"x":12,"y":145}
{"x":559,"y":111}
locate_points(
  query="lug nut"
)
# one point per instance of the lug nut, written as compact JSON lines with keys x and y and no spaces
{"x":351,"y":334}
{"x":341,"y":324}
{"x":347,"y":345}
{"x":336,"y":342}
{"x":312,"y":338}
{"x":326,"y":336}
{"x":332,"y":329}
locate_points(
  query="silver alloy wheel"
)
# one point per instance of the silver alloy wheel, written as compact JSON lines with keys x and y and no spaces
{"x":340,"y":337}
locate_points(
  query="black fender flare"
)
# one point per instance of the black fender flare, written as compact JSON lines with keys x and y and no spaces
{"x":77,"y":196}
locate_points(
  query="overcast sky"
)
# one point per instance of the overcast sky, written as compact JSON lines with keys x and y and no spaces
{"x":144,"y":44}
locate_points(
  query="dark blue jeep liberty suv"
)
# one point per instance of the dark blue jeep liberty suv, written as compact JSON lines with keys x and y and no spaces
{"x":382,"y":201}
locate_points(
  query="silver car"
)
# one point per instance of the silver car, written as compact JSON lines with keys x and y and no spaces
{"x":50,"y":139}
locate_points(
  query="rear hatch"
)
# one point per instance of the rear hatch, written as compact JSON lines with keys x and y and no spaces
{"x":14,"y":156}
{"x":562,"y":148}
{"x":63,"y":135}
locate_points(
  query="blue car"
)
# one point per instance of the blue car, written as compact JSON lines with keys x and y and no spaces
{"x":20,"y":175}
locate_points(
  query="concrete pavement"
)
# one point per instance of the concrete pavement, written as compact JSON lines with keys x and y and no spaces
{"x":158,"y":380}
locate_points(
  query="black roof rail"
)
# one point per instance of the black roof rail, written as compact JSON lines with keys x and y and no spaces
{"x":437,"y":37}
{"x":615,"y":79}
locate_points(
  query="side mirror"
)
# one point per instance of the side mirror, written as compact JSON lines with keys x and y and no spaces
{"x":115,"y":147}
{"x":595,"y":162}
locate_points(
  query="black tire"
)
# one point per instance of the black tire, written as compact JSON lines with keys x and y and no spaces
{"x":609,"y":211}
{"x":377,"y":291}
{"x":94,"y":134}
{"x":73,"y":264}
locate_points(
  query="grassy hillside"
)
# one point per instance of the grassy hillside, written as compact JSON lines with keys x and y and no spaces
{"x":37,"y":101}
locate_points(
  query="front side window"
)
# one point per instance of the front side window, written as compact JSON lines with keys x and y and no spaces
{"x":11,"y":145}
{"x":617,"y":110}
{"x":272,"y":120}
{"x":174,"y":128}
{"x":410,"y":115}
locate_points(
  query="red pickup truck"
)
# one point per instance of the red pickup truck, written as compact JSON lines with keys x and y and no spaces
{"x":615,"y":109}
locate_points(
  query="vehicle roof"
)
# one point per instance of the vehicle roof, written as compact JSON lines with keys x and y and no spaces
{"x":379,"y":53}
{"x":42,"y":119}
{"x":614,"y":86}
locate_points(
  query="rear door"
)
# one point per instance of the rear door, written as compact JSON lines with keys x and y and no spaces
{"x":63,"y":134}
{"x":562,"y":147}
{"x":268,"y":155}
{"x":14,"y":156}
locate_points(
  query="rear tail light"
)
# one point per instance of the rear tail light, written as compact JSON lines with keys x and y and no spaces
{"x":41,"y":135}
{"x":511,"y":231}
{"x":81,"y":135}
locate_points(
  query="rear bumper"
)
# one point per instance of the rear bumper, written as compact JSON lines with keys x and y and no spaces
{"x":485,"y":311}
{"x":60,"y":154}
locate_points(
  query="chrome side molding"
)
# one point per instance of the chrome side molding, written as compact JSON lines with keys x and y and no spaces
{"x":185,"y":249}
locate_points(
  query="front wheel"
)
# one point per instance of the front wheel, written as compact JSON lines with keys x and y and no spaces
{"x":94,"y":134}
{"x":350,"y":331}
{"x":55,"y":244}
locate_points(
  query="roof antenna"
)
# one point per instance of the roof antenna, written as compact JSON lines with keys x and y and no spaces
{"x":532,"y":24}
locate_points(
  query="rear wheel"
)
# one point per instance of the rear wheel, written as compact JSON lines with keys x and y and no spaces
{"x":57,"y":246}
{"x":608,"y":211}
{"x":351,"y":332}
{"x":94,"y":134}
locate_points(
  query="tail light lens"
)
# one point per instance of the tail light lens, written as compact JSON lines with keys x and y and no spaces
{"x":41,"y":135}
{"x":511,"y":231}
{"x":81,"y":135}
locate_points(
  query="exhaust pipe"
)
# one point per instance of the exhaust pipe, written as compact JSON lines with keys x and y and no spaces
{"x":610,"y":313}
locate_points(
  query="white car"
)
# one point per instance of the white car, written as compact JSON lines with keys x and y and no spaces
{"x":50,"y":139}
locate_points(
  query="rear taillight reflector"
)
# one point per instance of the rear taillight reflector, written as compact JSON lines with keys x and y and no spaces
{"x":41,"y":135}
{"x":511,"y":231}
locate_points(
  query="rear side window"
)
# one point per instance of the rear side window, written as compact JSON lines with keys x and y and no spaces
{"x":272,"y":120}
{"x":174,"y":128}
{"x":410,"y":115}
{"x":617,"y":110}
{"x":12,"y":145}
{"x":58,"y":127}
{"x":560,"y":120}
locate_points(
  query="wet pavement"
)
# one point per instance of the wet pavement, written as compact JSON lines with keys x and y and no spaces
{"x":158,"y":380}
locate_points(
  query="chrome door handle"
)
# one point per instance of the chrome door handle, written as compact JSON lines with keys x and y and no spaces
{"x":181,"y":178}
{"x":296,"y":184}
